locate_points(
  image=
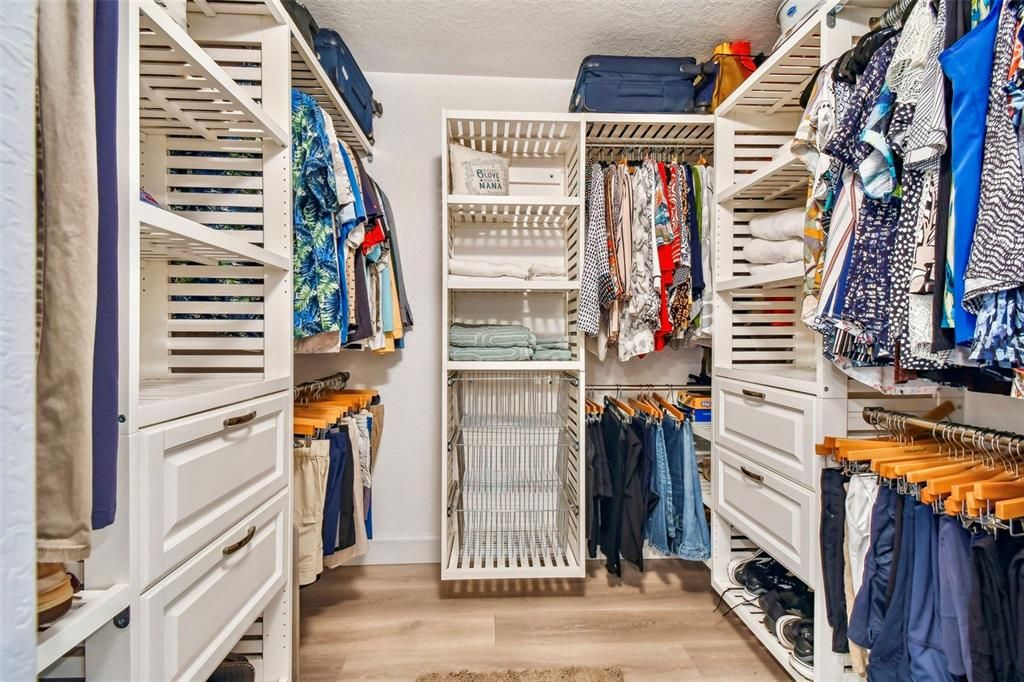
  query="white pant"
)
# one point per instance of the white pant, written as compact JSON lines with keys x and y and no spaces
{"x":860,"y":500}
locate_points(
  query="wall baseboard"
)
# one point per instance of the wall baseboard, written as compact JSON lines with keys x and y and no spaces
{"x":420,"y":550}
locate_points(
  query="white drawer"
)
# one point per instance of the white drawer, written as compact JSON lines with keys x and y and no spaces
{"x":772,"y":426}
{"x":778,"y":515}
{"x":191,"y":619}
{"x":204,"y":473}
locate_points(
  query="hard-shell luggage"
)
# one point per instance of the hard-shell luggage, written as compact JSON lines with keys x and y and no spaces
{"x":344,"y":72}
{"x":304,"y":21}
{"x":631,"y":85}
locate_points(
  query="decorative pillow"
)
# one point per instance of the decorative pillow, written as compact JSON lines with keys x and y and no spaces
{"x":477,"y":173}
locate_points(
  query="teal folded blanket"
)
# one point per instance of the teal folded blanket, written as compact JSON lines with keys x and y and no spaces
{"x":560,"y":343}
{"x":490,"y":336}
{"x":552,"y":354}
{"x":510,"y":354}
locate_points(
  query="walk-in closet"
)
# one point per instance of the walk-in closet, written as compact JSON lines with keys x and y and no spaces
{"x":512,"y":341}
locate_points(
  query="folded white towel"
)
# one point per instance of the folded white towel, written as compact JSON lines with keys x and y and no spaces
{"x":483,"y":268}
{"x":547,"y":271}
{"x":764,"y":251}
{"x":776,"y":227}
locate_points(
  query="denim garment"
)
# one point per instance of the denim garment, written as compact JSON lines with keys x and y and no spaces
{"x":673,"y":432}
{"x":659,"y":528}
{"x":870,"y":602}
{"x":695,"y":543}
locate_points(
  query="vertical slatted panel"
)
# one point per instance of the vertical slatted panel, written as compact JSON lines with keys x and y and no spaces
{"x":766,"y":327}
{"x":215,"y":312}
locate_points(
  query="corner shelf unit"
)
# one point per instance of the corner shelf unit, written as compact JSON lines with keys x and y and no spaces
{"x":774,"y":394}
{"x":511,"y":431}
{"x":204,"y":306}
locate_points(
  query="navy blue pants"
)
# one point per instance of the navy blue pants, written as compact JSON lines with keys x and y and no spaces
{"x":870,"y":604}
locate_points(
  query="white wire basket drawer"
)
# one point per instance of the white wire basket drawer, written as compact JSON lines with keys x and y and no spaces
{"x":512,"y":465}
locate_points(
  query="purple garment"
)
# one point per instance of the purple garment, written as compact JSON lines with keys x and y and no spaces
{"x":105,"y":353}
{"x":955,"y":594}
{"x":373,"y":210}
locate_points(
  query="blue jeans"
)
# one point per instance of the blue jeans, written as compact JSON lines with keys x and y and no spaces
{"x":659,"y":526}
{"x":673,"y":433}
{"x":696,"y":540}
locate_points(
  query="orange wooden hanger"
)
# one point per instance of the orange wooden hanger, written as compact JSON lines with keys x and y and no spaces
{"x":669,"y":407}
{"x":1008,"y":510}
{"x":626,"y":409}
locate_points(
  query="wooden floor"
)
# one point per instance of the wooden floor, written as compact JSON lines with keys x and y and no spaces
{"x":396,"y":622}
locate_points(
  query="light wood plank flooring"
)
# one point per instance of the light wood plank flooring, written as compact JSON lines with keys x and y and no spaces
{"x":396,"y":622}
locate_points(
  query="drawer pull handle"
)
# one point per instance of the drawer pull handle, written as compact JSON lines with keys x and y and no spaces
{"x":751,"y":475}
{"x":753,"y":394}
{"x":235,"y":546}
{"x":238,"y":421}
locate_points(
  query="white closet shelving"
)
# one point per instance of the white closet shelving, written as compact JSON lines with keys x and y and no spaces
{"x":774,"y":394}
{"x":511,"y":474}
{"x":198,"y":561}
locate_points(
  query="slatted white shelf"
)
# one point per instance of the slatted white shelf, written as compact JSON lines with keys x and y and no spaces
{"x":464,"y":283}
{"x":776,"y":85}
{"x":523,"y":365}
{"x":182,"y":89}
{"x":165,"y":399}
{"x":693,"y":132}
{"x":90,"y":610}
{"x":309,"y":77}
{"x":784,"y":177}
{"x":539,"y":136}
{"x":777,"y":273}
{"x":752,"y":616}
{"x":168,"y":236}
{"x":513,"y":211}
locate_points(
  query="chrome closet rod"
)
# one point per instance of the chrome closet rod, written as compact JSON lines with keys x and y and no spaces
{"x":951,"y":432}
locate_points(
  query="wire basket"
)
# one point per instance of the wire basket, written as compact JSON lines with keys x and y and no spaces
{"x":513,"y":465}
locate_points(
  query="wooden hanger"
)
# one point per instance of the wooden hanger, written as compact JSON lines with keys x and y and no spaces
{"x":626,"y":409}
{"x":1011,"y":509}
{"x":669,"y":407}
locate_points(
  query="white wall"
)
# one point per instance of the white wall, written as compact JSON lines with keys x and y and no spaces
{"x":17,"y":349}
{"x":406,"y":488}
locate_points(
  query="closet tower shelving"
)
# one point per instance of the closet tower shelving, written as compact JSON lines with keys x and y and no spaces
{"x":198,"y":561}
{"x":774,"y":394}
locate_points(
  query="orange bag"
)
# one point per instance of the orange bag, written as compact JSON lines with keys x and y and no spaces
{"x":735,"y":64}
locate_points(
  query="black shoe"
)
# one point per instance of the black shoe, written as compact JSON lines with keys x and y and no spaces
{"x":761,"y":578}
{"x":790,"y":628}
{"x":738,"y":567}
{"x":802,"y":657}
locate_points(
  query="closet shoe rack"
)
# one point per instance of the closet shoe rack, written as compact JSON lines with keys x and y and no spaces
{"x":197,"y":563}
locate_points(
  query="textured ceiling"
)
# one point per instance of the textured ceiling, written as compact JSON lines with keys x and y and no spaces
{"x":536,"y":38}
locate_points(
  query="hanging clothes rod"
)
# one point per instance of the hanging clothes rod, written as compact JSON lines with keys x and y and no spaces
{"x":309,"y":389}
{"x":643,"y":387}
{"x":951,"y":432}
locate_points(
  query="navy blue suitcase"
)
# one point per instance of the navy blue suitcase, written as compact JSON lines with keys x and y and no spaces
{"x":635,"y":85}
{"x":346,"y":75}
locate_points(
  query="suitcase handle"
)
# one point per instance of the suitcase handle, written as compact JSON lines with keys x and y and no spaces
{"x":643,"y":90}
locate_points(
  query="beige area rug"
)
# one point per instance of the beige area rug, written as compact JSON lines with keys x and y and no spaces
{"x":549,"y":675}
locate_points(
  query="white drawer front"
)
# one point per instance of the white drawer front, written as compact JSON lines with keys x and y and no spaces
{"x":191,"y":620}
{"x":772,"y":426}
{"x":204,"y":474}
{"x":775,"y":513}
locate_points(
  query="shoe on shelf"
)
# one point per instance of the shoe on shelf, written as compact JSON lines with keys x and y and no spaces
{"x":802,"y":657}
{"x":738,"y":567}
{"x":783,"y":605}
{"x":54,"y":592}
{"x":789,"y":628}
{"x":760,"y":578}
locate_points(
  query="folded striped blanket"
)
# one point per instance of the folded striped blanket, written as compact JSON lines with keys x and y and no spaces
{"x":559,"y":343}
{"x":552,"y":354}
{"x":510,"y":354}
{"x":490,"y":336}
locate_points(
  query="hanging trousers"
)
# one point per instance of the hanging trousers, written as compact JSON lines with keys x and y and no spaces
{"x":67,"y":231}
{"x":871,"y":602}
{"x":955,"y":594}
{"x":833,"y":560}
